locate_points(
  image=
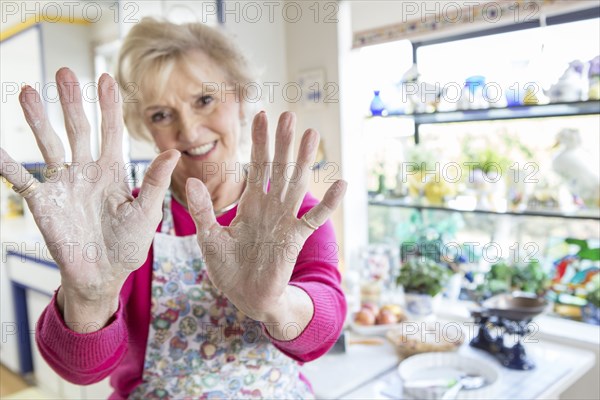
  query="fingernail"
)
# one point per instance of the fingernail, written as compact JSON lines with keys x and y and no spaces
{"x":103,"y":77}
{"x":341,"y":186}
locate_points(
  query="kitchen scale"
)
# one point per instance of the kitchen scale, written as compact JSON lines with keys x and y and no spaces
{"x":502,"y":318}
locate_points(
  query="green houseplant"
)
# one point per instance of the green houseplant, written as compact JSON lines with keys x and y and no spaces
{"x":526,"y":277}
{"x":422,"y":278}
{"x":593,"y":296}
{"x":422,"y":275}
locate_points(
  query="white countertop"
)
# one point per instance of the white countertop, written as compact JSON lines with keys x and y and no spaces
{"x":369,"y":371}
{"x":557,"y":368}
{"x":333,"y":375}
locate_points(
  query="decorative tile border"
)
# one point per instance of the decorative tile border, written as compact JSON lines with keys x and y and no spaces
{"x":456,"y":17}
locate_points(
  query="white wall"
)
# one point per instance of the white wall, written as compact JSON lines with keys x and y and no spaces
{"x":29,"y":59}
{"x":15,"y":135}
{"x":264,"y":44}
{"x":67,"y":45}
{"x":368,"y":14}
{"x":339,"y":122}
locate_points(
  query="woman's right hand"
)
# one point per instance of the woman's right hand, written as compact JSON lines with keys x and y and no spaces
{"x":96,"y":232}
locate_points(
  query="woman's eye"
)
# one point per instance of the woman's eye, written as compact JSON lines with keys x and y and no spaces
{"x":159,"y":117}
{"x":204,"y":100}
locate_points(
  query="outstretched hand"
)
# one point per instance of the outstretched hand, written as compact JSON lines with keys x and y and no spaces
{"x":251,"y":260}
{"x":95,"y":230}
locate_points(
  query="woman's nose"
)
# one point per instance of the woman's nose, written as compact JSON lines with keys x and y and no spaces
{"x":191,"y":127}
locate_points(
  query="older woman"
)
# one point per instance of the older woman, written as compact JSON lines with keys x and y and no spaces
{"x":236,"y":286}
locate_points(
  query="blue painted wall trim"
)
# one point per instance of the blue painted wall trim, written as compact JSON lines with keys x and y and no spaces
{"x":23,"y":333}
{"x":25,"y":257}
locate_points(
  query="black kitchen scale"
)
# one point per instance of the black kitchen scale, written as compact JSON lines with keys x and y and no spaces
{"x":504,"y":317}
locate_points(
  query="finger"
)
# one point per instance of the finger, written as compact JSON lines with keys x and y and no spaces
{"x":76,"y":123}
{"x":258,"y":171}
{"x":201,"y":208}
{"x":47,"y":140}
{"x":157,"y":180}
{"x":112,"y":118}
{"x":283,"y":149}
{"x":298,"y":182}
{"x":317,"y":215}
{"x":14,"y":172}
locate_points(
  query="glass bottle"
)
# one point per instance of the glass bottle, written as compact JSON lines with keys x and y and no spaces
{"x":377,"y":107}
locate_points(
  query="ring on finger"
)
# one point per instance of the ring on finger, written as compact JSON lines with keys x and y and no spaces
{"x":308,"y":223}
{"x":27,"y":189}
{"x":53,"y":171}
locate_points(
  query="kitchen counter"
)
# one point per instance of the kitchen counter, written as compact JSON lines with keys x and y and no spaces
{"x":334,"y":375}
{"x":369,"y":371}
{"x":364,"y":371}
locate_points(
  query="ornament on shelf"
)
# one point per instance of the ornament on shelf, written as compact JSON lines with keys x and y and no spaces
{"x":570,"y":86}
{"x":472,"y":97}
{"x":401,"y":189}
{"x":594,"y":79}
{"x":438,"y":190}
{"x":550,"y":194}
{"x":533,"y":94}
{"x":446,"y":100}
{"x":530,"y":97}
{"x":377,"y":107}
{"x":576,"y":166}
{"x":420,"y":96}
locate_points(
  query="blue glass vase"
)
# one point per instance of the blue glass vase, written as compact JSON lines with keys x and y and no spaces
{"x":377,"y":107}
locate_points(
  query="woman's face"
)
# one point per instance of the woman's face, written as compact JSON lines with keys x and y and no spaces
{"x":190,"y":117}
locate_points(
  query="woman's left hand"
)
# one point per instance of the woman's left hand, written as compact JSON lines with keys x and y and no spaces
{"x":251,"y":261}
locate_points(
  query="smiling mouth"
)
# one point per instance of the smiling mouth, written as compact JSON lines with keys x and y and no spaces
{"x":201,"y":150}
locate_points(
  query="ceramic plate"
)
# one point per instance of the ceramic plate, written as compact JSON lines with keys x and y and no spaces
{"x":447,"y":366}
{"x":372,"y":330}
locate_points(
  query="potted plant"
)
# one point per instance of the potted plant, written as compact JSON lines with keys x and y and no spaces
{"x":591,"y":312}
{"x":524,"y":277}
{"x":487,"y":172}
{"x":419,"y":159}
{"x":422,"y":279}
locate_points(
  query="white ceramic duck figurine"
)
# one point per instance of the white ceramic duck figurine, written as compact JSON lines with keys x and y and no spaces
{"x":577,"y":167}
{"x":422,"y":94}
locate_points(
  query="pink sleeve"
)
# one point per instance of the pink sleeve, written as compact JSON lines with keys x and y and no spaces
{"x":81,"y":358}
{"x":316,"y":272}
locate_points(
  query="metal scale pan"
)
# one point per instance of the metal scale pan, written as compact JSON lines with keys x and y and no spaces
{"x":514,"y":307}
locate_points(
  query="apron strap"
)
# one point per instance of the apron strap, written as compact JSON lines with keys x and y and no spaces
{"x":167,"y":222}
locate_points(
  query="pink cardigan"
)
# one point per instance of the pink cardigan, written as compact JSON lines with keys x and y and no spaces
{"x":119,"y":348}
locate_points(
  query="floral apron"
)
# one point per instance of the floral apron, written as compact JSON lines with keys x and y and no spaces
{"x":200,"y":346}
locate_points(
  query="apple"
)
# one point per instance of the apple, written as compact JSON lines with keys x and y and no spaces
{"x":386,"y":317}
{"x":371,"y":306}
{"x":365,"y":317}
{"x":396,"y":310}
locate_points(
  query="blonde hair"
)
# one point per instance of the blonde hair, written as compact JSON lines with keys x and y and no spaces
{"x":152,"y":48}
